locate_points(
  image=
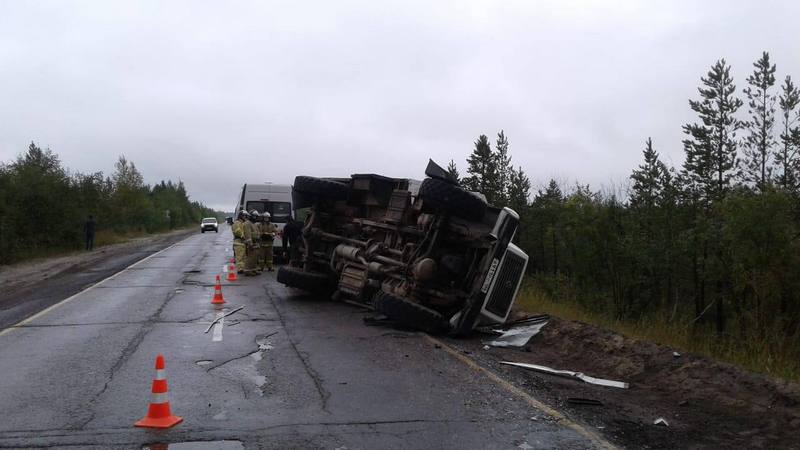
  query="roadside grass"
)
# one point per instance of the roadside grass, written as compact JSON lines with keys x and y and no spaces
{"x":767,"y":355}
{"x":109,"y":237}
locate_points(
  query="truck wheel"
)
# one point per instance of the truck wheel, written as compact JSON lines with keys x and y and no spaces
{"x":307,"y":190}
{"x":453,"y":199}
{"x":408,"y":313}
{"x":308,"y":281}
{"x":321,"y":187}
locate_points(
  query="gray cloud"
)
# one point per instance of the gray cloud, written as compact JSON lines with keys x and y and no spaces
{"x":217,"y":93}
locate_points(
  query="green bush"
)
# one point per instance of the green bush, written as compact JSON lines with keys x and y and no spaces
{"x":43,"y":207}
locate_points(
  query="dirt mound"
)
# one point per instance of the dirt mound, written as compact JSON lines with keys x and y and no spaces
{"x":708,"y":404}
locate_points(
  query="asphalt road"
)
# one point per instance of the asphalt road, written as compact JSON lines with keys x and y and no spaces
{"x":21,"y":300}
{"x":287,"y":371}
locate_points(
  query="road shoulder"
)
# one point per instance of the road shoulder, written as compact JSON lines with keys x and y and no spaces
{"x":33,"y":286}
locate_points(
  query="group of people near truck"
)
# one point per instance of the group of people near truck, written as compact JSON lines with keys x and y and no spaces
{"x":253,"y":236}
{"x":253,"y":239}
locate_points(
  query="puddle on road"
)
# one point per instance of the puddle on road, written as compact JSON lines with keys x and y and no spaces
{"x":263,"y":346}
{"x":245,"y":368}
{"x":196,"y":445}
{"x":258,"y":355}
{"x":259,"y":380}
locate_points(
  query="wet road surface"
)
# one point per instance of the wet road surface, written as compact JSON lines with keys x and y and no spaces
{"x":23,"y":298}
{"x":286,"y":371}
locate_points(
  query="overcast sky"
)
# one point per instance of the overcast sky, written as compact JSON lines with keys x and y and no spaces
{"x":219,"y":93}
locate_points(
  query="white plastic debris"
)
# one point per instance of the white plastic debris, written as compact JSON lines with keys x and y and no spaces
{"x":518,"y":336}
{"x":676,"y":354}
{"x":222,"y":317}
{"x":661,"y":421}
{"x":570,"y":374}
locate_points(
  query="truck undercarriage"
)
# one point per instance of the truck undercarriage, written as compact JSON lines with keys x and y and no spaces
{"x":437,"y":258}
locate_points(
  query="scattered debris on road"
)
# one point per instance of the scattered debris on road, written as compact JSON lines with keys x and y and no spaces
{"x":570,"y":374}
{"x":744,"y":409}
{"x":221,"y":317}
{"x":661,"y":421}
{"x":584,"y":401}
{"x":518,"y":336}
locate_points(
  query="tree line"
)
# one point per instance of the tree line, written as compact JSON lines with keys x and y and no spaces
{"x":43,"y":206}
{"x":712,"y":243}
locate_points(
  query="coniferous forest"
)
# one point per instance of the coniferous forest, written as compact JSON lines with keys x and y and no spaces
{"x":43,"y":206}
{"x":709,"y":249}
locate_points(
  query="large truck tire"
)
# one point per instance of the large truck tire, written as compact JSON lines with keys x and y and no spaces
{"x":308,"y":281}
{"x":320,"y":186}
{"x":306,"y":190}
{"x":408,"y":313}
{"x":452,"y":198}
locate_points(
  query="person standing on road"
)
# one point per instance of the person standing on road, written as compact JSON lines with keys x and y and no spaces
{"x":252,"y":239}
{"x":260,"y":250}
{"x":88,"y":231}
{"x":268,"y":232}
{"x":239,"y":244}
{"x":292,"y":233}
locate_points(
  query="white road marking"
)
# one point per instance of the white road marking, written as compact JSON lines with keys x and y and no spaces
{"x":218,"y":327}
{"x":225,"y":268}
{"x":74,"y":296}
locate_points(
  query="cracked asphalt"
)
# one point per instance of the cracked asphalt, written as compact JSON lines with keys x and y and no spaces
{"x":287,"y":371}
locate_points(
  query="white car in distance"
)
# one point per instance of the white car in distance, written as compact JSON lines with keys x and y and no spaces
{"x":208,"y":224}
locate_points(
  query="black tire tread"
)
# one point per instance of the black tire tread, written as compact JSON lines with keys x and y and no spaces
{"x":320,"y":186}
{"x":408,"y":313}
{"x":308,"y":281}
{"x":453,"y":199}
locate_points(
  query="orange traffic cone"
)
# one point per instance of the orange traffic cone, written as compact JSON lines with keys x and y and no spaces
{"x":231,"y":272}
{"x":159,"y":414}
{"x":218,"y":299}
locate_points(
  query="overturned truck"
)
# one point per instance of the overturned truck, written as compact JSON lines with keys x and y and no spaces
{"x":434,"y":256}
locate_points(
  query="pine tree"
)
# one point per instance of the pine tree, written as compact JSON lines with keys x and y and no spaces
{"x":787,"y":158}
{"x":504,"y":168}
{"x":646,"y":179}
{"x":552,"y":194}
{"x":482,"y":170}
{"x":550,"y":204}
{"x":519,"y":190}
{"x":759,"y":143}
{"x":452,"y":170}
{"x":710,"y":160}
{"x":711,"y":146}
